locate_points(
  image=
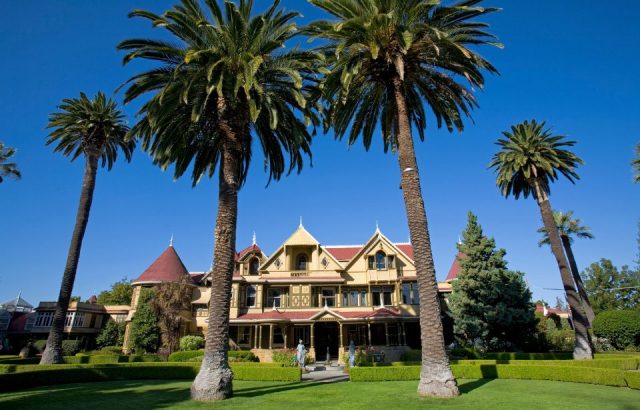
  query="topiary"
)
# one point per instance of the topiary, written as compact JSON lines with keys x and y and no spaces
{"x":70,"y":347}
{"x":191,"y":343}
{"x":620,"y":327}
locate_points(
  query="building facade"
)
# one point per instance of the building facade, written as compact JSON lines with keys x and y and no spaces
{"x":325,"y":296}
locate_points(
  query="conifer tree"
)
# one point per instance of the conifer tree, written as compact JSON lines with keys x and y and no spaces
{"x":491,"y":305}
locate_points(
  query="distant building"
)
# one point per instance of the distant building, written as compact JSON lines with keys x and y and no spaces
{"x":16,"y":320}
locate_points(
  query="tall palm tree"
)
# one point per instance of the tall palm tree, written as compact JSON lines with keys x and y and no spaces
{"x":530,"y":159}
{"x":95,"y":128}
{"x":568,"y":228}
{"x":636,"y":165}
{"x":389,"y":59}
{"x":225,"y":79}
{"x":8,"y":169}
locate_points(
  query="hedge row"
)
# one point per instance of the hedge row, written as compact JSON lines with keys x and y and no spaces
{"x":608,"y":377}
{"x":14,"y":377}
{"x":238,"y":355}
{"x":622,"y":363}
{"x":472,"y":354}
{"x":110,"y":359}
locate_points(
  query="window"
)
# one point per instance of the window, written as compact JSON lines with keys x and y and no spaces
{"x":78,"y":321}
{"x":251,"y":296}
{"x":274,"y":297}
{"x":381,"y":260}
{"x":243,"y":335}
{"x":371,"y":262}
{"x":254,"y":265}
{"x":391,"y":262}
{"x":301,"y":332}
{"x":410,"y":295}
{"x":354,"y":297}
{"x":301,"y":262}
{"x":278,"y":339}
{"x":5,"y":318}
{"x":44,"y":319}
{"x":363,"y":298}
{"x":328,"y":297}
{"x":30,"y":322}
{"x":381,"y":296}
{"x":69,"y":319}
{"x":199,"y":309}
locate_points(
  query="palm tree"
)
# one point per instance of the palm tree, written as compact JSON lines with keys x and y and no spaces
{"x":96,"y":129}
{"x":636,"y":165}
{"x":531,"y":157}
{"x":8,"y":169}
{"x":567,"y":228}
{"x":389,"y":58}
{"x":225,"y":79}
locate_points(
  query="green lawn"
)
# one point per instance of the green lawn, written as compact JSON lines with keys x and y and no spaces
{"x":477,"y":394}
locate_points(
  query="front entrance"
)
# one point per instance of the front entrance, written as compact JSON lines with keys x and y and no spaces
{"x":326,"y":339}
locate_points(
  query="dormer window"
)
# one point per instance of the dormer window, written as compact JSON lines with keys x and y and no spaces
{"x":301,"y":262}
{"x":254,"y":265}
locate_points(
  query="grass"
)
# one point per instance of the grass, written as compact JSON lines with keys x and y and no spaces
{"x":477,"y":394}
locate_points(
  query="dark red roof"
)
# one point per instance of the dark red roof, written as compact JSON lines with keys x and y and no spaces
{"x":345,"y":253}
{"x":167,"y":268}
{"x":18,"y":321}
{"x":197,"y":277}
{"x":406,"y":248}
{"x":455,"y":269}
{"x":252,"y":248}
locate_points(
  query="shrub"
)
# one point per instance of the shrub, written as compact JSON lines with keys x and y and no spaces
{"x":411,"y":356}
{"x":111,"y":350}
{"x":39,"y":345}
{"x":18,"y":377}
{"x":191,"y":343}
{"x":242,"y":356}
{"x":609,"y":377}
{"x":184,"y":356}
{"x":620,"y":327}
{"x":467,"y":353}
{"x":70,"y":347}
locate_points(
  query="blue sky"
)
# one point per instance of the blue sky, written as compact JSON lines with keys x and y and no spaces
{"x":571,"y":63}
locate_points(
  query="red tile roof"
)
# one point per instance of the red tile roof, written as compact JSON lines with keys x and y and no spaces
{"x":406,"y":248}
{"x":308,"y":314}
{"x":540,"y":309}
{"x":252,"y":248}
{"x":455,"y":269}
{"x":167,"y":268}
{"x":343,"y":253}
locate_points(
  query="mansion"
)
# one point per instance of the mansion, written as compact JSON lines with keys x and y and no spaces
{"x":324,"y":295}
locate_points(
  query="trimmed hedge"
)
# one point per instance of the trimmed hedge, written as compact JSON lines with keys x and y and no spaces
{"x":234,"y":356}
{"x":110,"y":359}
{"x":14,"y":377}
{"x":184,"y":356}
{"x":576,"y":374}
{"x":472,"y":354}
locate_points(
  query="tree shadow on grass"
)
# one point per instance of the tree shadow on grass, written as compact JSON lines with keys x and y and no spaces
{"x":469,"y":386}
{"x":262,"y":390}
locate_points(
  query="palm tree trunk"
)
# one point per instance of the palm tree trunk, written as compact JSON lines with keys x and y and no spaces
{"x":584,"y":298}
{"x":215,"y":379}
{"x":583,"y":348}
{"x":53,"y":352}
{"x":436,"y":378}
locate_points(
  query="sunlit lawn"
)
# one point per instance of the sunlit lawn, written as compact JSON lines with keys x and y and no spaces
{"x":477,"y":394}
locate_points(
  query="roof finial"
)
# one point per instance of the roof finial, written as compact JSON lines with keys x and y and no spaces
{"x":171,"y":241}
{"x":300,"y":222}
{"x":377,"y":227}
{"x":459,"y":240}
{"x":253,"y":240}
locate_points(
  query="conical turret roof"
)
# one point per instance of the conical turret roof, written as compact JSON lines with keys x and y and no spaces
{"x":167,"y":268}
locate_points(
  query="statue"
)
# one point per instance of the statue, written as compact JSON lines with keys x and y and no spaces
{"x":301,"y":353}
{"x":352,"y":354}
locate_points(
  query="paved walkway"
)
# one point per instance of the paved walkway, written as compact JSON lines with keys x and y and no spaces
{"x":325,"y":374}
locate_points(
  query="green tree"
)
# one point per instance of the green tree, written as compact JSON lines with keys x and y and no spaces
{"x":620,"y":327}
{"x":8,"y":169}
{"x":635,"y":163}
{"x":145,"y":332}
{"x":491,"y":304}
{"x":611,"y":289}
{"x":171,"y":301}
{"x":568,"y":228}
{"x":95,"y":129}
{"x":112,"y":334}
{"x":388,"y":60}
{"x":530,"y":159}
{"x":224,"y":78}
{"x":120,"y":293}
